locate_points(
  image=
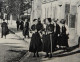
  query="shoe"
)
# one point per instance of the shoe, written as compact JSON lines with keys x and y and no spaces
{"x":37,"y":55}
{"x":25,"y":37}
{"x":50,"y":56}
{"x":34,"y":56}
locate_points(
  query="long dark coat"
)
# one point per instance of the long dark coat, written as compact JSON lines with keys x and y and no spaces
{"x":18,"y":23}
{"x":39,"y":26}
{"x":21,"y":25}
{"x":55,"y":35}
{"x":36,"y":43}
{"x":4,"y":28}
{"x":26,"y":29}
{"x":47,"y":39}
{"x":63,"y":38}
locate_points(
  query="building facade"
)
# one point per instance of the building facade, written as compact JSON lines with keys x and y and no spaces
{"x":59,"y":9}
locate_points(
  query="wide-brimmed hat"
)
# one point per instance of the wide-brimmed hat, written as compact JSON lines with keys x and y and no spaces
{"x":62,"y":21}
{"x":34,"y":20}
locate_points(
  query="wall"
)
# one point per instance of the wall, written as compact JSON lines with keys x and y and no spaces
{"x":53,"y":10}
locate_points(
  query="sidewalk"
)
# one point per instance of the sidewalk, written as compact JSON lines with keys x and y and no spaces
{"x":28,"y":57}
{"x":13,"y":29}
{"x":18,"y":33}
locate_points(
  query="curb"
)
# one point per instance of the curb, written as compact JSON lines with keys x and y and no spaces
{"x":25,"y":56}
{"x":28,"y":53}
{"x":18,"y":35}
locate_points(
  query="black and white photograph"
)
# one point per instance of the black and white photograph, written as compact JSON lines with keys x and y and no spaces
{"x":39,"y":30}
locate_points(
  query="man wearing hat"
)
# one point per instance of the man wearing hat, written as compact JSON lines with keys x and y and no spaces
{"x":48,"y":42}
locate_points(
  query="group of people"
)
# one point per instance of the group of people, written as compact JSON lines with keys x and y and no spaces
{"x":20,"y":24}
{"x":24,"y":26}
{"x":49,"y":36}
{"x":46,"y":37}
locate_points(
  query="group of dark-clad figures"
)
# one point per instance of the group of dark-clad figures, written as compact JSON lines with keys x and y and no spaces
{"x":48,"y":37}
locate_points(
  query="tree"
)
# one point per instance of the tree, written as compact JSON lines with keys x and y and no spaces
{"x":15,"y":7}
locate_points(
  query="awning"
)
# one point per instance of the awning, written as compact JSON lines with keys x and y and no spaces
{"x":25,"y":17}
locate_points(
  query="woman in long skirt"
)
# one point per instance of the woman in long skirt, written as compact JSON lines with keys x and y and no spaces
{"x":36,"y":43}
{"x":63,"y":38}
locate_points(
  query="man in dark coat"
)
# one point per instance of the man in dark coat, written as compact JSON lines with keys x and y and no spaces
{"x":4,"y":29}
{"x":48,"y":38}
{"x":56,"y":33}
{"x":26,"y":29}
{"x":18,"y":23}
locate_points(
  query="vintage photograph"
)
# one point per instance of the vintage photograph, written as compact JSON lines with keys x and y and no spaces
{"x":39,"y":30}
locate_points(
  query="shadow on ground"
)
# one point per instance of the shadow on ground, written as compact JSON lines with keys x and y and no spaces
{"x":19,"y":38}
{"x":58,"y":54}
{"x":16,"y":38}
{"x":19,"y":55}
{"x":15,"y":30}
{"x":64,"y":54}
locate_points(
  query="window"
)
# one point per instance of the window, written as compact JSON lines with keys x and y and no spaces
{"x":72,"y":21}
